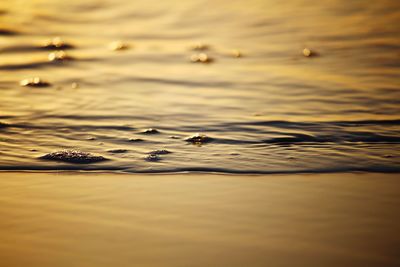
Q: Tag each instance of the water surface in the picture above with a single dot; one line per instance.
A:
(330, 220)
(272, 110)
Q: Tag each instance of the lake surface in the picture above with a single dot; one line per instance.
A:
(266, 107)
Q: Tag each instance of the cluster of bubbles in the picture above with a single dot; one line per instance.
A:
(80, 157)
(59, 55)
(75, 156)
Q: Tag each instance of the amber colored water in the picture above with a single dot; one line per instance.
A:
(331, 220)
(271, 110)
(275, 89)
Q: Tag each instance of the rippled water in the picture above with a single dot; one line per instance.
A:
(271, 110)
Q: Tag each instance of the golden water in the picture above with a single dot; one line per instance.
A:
(267, 107)
(270, 86)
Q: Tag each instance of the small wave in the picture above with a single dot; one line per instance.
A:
(320, 126)
(3, 125)
(107, 168)
(8, 32)
(282, 123)
(72, 127)
(43, 64)
(348, 137)
(31, 65)
(33, 48)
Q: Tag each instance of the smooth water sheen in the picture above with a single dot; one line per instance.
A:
(199, 220)
(266, 107)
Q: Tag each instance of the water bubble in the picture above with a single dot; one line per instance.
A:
(56, 43)
(150, 131)
(306, 52)
(73, 156)
(34, 82)
(309, 53)
(198, 139)
(236, 53)
(74, 85)
(152, 157)
(201, 58)
(58, 56)
(118, 45)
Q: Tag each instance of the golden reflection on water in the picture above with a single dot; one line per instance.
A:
(291, 62)
(294, 86)
(199, 220)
